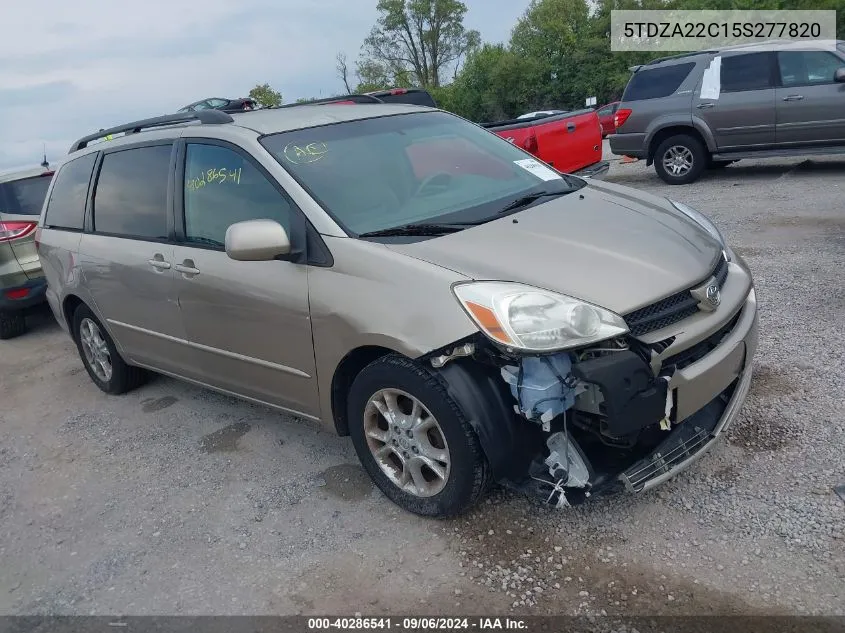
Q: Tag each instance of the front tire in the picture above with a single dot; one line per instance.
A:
(102, 361)
(413, 439)
(12, 324)
(680, 159)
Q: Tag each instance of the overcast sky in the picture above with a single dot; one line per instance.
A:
(70, 68)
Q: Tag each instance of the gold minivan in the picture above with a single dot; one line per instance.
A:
(466, 313)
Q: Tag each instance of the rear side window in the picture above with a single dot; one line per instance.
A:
(656, 82)
(66, 209)
(24, 197)
(746, 72)
(130, 199)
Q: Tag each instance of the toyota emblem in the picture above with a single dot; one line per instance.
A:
(713, 295)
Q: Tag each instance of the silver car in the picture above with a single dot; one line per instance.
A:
(464, 312)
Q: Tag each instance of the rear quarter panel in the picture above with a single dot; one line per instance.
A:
(58, 261)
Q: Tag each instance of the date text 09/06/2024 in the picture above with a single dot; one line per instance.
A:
(417, 624)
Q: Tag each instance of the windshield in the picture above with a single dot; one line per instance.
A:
(24, 197)
(377, 174)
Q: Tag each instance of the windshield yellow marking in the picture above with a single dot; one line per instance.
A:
(302, 154)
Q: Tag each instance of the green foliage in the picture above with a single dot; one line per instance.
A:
(266, 96)
(420, 37)
(559, 53)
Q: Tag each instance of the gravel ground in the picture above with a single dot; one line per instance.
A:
(174, 500)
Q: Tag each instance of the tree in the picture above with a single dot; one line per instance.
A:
(422, 37)
(265, 96)
(343, 71)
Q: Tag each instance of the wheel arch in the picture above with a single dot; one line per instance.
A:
(671, 130)
(345, 372)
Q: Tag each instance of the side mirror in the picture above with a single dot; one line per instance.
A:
(839, 75)
(256, 241)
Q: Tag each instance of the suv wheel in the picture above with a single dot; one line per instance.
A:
(100, 356)
(413, 439)
(680, 159)
(12, 324)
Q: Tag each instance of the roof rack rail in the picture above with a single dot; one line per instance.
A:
(338, 99)
(660, 60)
(203, 116)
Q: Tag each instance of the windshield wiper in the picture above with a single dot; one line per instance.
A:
(524, 201)
(419, 229)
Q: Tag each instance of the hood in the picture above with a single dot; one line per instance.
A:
(612, 246)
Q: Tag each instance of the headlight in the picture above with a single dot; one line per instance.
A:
(702, 220)
(529, 318)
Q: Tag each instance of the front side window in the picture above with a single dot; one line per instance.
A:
(66, 208)
(217, 103)
(806, 68)
(223, 187)
(130, 199)
(386, 172)
(746, 72)
(25, 196)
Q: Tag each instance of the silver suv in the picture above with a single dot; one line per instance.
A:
(22, 284)
(709, 109)
(462, 310)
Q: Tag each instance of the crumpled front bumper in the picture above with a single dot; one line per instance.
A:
(689, 441)
(720, 381)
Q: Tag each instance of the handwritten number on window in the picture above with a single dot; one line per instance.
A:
(211, 176)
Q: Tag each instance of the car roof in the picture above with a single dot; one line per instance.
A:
(271, 120)
(752, 47)
(20, 174)
(263, 121)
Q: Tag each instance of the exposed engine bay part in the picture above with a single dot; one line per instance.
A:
(632, 397)
(543, 387)
(566, 462)
(467, 349)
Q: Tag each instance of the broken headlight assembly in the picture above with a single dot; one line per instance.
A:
(704, 222)
(522, 317)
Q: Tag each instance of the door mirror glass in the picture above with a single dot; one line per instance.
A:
(256, 241)
(839, 75)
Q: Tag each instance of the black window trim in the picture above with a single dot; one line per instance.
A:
(307, 246)
(89, 207)
(779, 79)
(773, 71)
(45, 224)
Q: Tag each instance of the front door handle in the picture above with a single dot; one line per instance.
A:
(570, 127)
(704, 106)
(793, 98)
(158, 262)
(187, 268)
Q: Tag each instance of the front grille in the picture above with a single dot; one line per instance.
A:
(698, 351)
(677, 307)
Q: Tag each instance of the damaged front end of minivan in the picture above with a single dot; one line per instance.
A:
(566, 425)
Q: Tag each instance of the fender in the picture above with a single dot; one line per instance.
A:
(509, 442)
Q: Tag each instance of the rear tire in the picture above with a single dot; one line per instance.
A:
(680, 159)
(100, 356)
(397, 453)
(12, 324)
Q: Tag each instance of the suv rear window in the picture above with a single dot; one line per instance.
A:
(66, 209)
(654, 83)
(25, 196)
